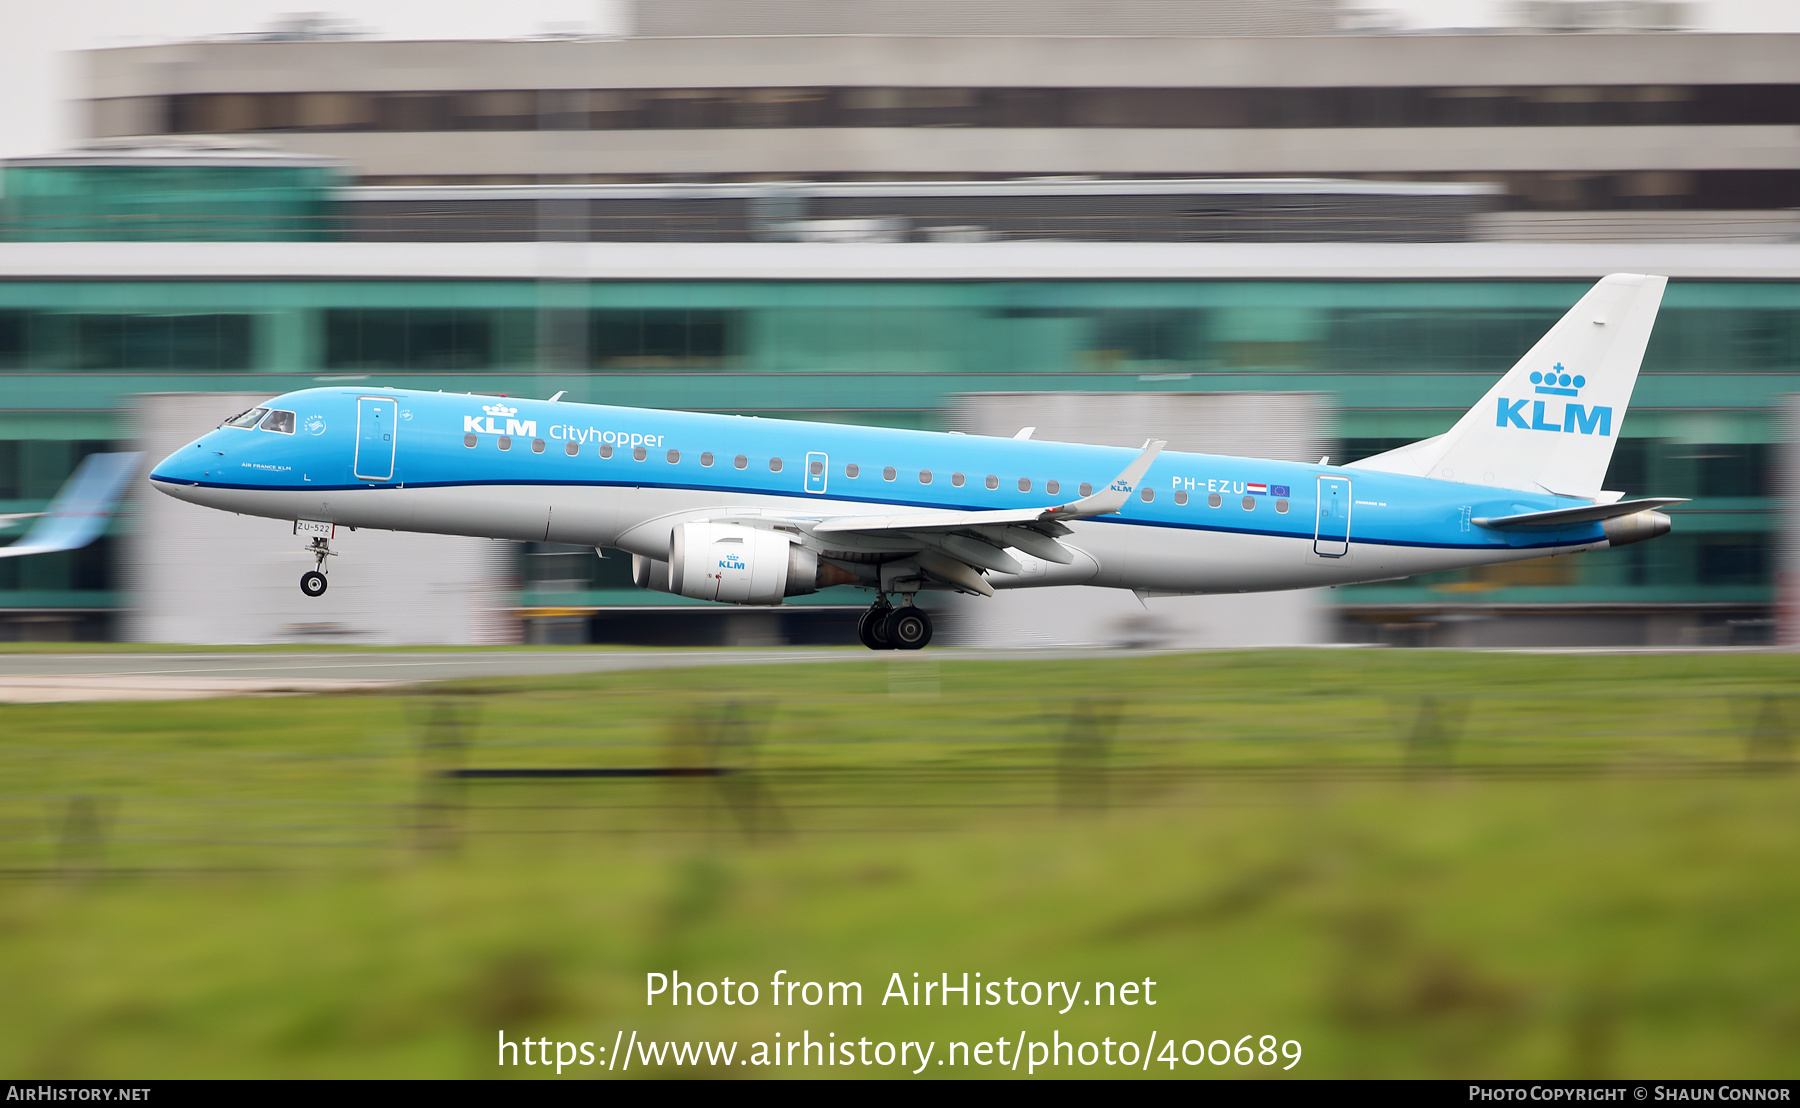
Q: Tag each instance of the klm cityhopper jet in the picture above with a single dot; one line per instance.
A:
(751, 511)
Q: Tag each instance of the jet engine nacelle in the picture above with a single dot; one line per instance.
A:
(739, 565)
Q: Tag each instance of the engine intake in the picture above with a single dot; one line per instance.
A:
(1637, 527)
(733, 564)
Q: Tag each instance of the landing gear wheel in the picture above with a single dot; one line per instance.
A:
(908, 628)
(312, 583)
(871, 628)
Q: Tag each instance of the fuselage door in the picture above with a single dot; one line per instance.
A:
(816, 465)
(376, 425)
(1331, 535)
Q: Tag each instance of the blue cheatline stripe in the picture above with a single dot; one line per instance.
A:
(813, 498)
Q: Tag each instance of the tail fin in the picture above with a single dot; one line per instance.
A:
(81, 508)
(1551, 422)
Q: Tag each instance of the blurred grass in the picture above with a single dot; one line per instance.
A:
(1417, 864)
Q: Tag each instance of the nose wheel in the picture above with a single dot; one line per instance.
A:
(312, 582)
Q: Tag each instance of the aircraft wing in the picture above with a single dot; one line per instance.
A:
(1568, 517)
(81, 508)
(958, 543)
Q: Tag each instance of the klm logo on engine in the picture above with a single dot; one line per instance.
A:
(1576, 419)
(520, 428)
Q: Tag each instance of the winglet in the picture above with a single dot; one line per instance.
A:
(1114, 496)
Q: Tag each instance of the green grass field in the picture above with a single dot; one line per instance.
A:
(1414, 864)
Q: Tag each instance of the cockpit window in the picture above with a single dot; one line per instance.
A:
(246, 419)
(282, 422)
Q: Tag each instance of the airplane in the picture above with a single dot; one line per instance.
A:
(745, 510)
(80, 510)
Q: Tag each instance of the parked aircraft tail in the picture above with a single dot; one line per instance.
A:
(1549, 425)
(81, 508)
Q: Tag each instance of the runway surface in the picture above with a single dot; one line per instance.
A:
(175, 676)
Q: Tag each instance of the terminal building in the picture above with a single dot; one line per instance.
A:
(884, 227)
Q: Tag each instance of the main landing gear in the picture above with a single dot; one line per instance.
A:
(885, 627)
(312, 582)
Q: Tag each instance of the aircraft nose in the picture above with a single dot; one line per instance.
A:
(186, 466)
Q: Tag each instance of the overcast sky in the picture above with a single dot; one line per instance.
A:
(38, 78)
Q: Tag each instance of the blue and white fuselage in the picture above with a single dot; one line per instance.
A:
(902, 511)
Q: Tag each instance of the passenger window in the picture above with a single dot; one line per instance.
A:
(774, 465)
(537, 446)
(1052, 487)
(956, 479)
(851, 470)
(469, 440)
(706, 459)
(674, 457)
(817, 469)
(993, 482)
(606, 450)
(246, 419)
(1147, 493)
(740, 461)
(571, 448)
(1181, 498)
(888, 474)
(1281, 506)
(924, 477)
(281, 423)
(639, 454)
(1024, 484)
(1087, 489)
(1249, 503)
(505, 443)
(1214, 500)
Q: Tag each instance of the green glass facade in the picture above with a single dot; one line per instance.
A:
(123, 203)
(1402, 358)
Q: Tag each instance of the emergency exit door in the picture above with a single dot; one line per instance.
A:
(375, 429)
(816, 465)
(1331, 534)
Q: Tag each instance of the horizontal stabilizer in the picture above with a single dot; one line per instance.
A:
(1569, 517)
(81, 508)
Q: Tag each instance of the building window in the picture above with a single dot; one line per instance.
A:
(407, 338)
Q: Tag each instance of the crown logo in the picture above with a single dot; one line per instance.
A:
(500, 410)
(1557, 382)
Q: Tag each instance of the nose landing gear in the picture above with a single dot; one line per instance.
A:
(312, 582)
(885, 627)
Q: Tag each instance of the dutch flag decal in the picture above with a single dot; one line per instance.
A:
(1257, 490)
